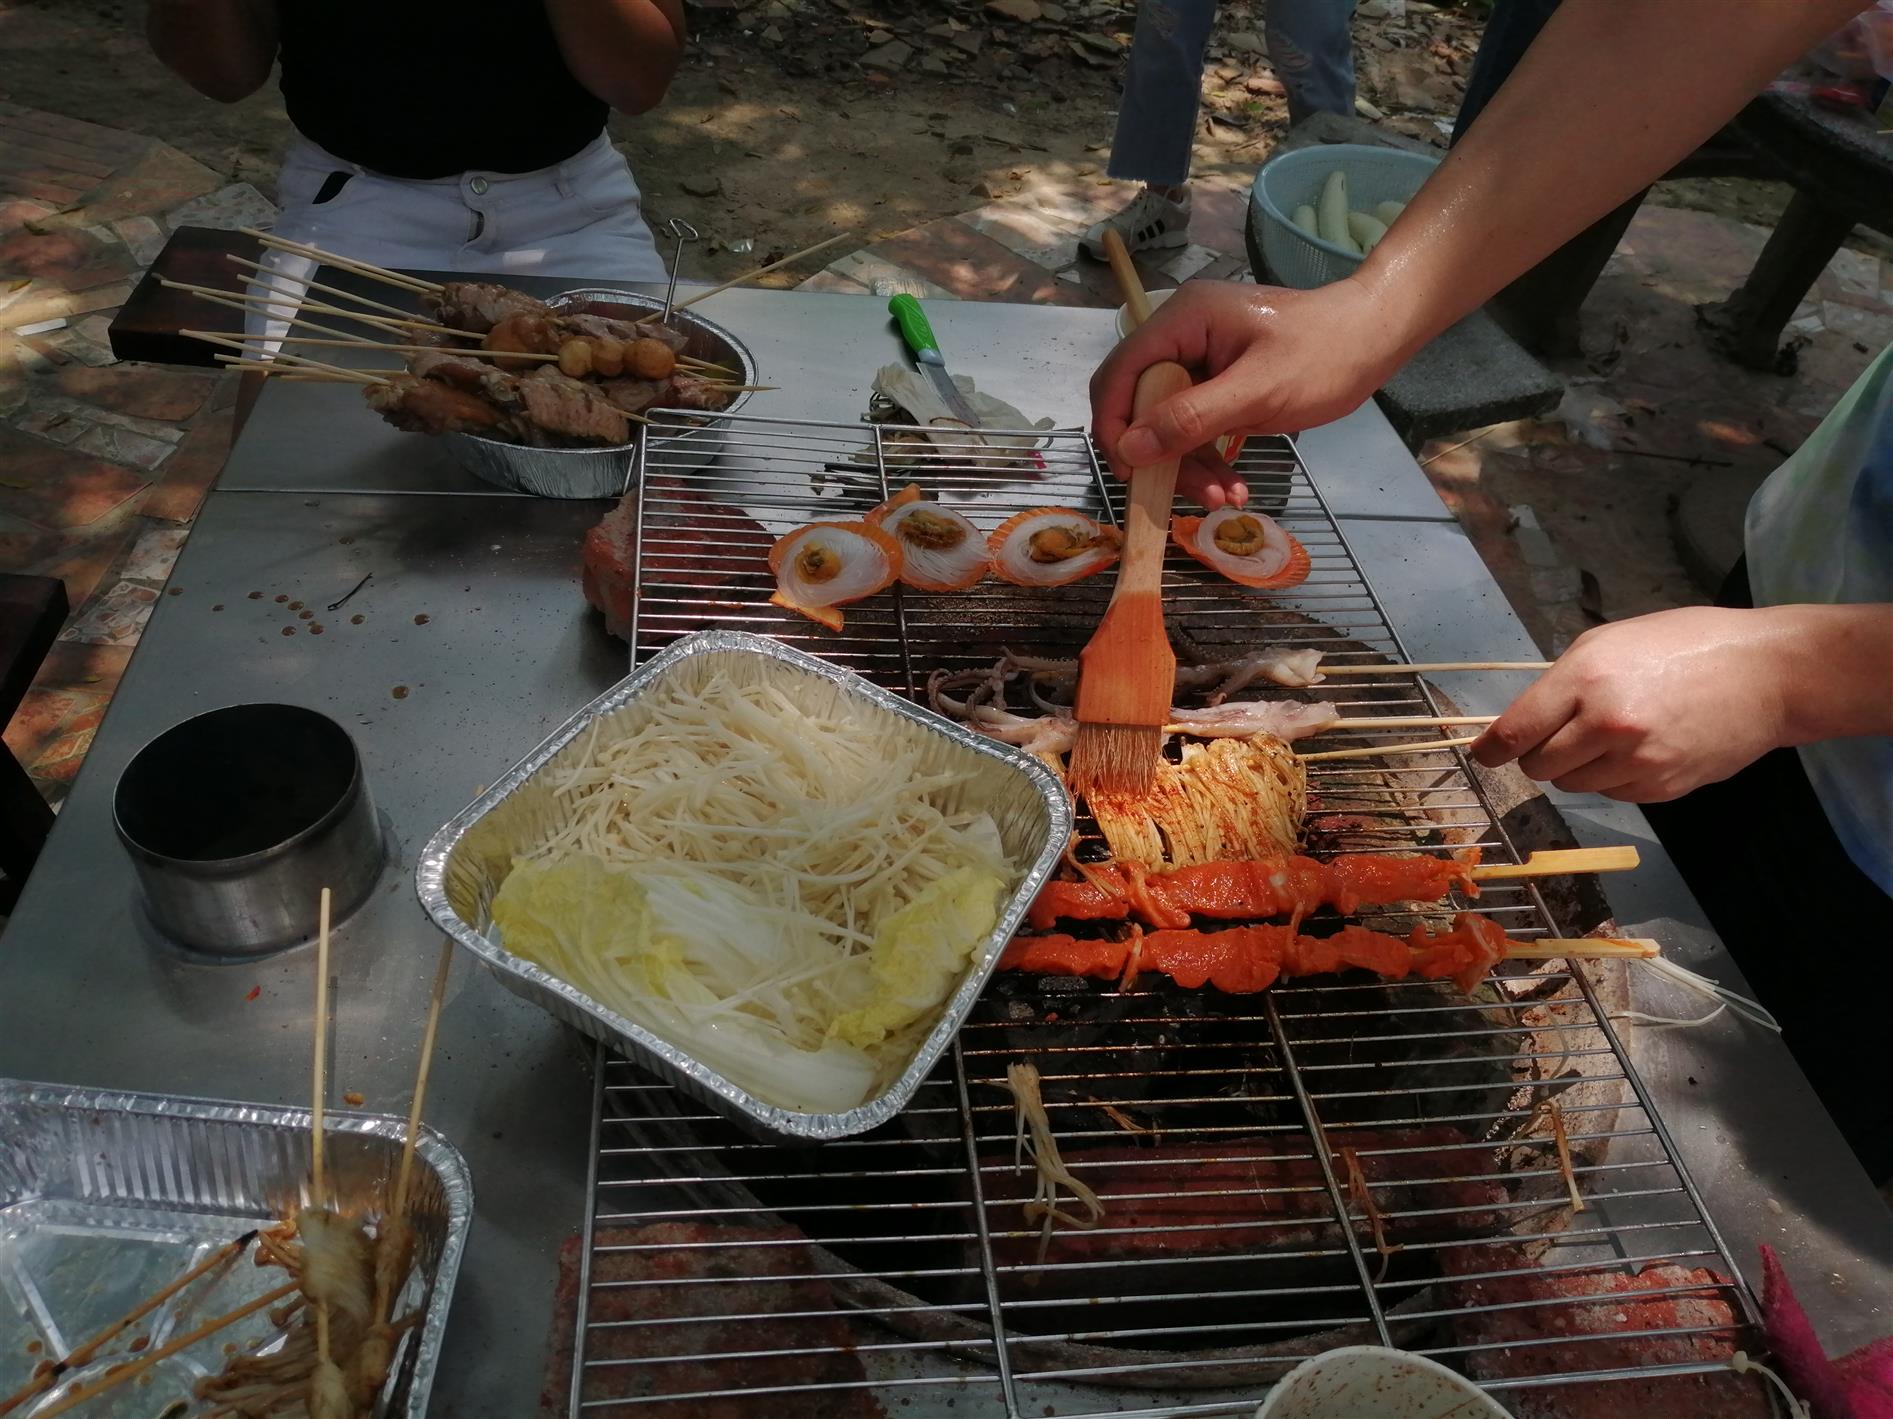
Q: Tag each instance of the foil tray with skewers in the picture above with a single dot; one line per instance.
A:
(538, 397)
(109, 1197)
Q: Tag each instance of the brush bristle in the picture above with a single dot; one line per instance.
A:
(1115, 759)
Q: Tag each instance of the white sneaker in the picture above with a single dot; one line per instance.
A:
(1151, 221)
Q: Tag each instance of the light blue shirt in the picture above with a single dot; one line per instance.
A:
(1820, 530)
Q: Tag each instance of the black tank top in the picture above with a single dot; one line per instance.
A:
(429, 88)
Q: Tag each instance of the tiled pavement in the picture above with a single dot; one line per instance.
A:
(1025, 249)
(103, 465)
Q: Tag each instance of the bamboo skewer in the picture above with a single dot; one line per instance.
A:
(84, 1354)
(420, 1078)
(266, 275)
(474, 354)
(123, 1373)
(317, 375)
(269, 304)
(761, 271)
(233, 301)
(1372, 750)
(289, 361)
(1428, 669)
(1584, 948)
(346, 263)
(319, 1190)
(1411, 721)
(246, 342)
(1558, 862)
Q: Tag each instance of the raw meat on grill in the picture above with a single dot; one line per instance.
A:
(1252, 890)
(1254, 1197)
(1245, 959)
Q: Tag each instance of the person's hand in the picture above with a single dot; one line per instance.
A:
(1647, 709)
(1268, 360)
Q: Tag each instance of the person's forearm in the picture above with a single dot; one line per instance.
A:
(1610, 96)
(221, 48)
(624, 51)
(1837, 676)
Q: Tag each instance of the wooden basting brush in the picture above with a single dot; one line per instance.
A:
(1127, 672)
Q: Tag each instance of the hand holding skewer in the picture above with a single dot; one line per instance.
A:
(1650, 708)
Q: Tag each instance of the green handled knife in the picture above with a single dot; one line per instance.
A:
(919, 337)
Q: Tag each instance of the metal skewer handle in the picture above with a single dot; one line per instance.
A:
(684, 232)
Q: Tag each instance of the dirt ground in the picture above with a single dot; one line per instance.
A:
(776, 134)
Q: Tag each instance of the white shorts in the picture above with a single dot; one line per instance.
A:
(581, 219)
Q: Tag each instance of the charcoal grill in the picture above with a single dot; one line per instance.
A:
(896, 1272)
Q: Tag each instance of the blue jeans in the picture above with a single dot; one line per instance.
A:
(1309, 45)
(1509, 32)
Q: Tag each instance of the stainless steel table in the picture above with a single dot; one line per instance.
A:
(471, 640)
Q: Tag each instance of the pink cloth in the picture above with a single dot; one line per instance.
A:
(1857, 1386)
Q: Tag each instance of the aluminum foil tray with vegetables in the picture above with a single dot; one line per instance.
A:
(758, 874)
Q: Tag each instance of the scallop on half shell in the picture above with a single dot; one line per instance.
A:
(824, 565)
(1247, 547)
(940, 549)
(1052, 546)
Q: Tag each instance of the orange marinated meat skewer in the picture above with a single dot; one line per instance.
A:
(1235, 891)
(1246, 959)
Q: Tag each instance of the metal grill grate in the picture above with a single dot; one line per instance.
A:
(1231, 1138)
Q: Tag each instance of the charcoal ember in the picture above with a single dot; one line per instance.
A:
(723, 1294)
(1590, 1308)
(1250, 1198)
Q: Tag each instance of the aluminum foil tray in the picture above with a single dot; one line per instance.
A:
(464, 864)
(106, 1197)
(606, 472)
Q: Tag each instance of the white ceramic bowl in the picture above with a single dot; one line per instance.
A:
(1368, 1382)
(1156, 299)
